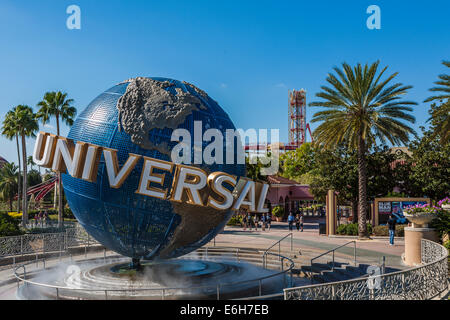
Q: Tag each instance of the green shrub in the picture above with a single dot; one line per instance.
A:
(9, 226)
(342, 229)
(278, 211)
(351, 229)
(235, 221)
(384, 231)
(447, 244)
(381, 231)
(441, 223)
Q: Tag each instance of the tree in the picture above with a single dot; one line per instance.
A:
(56, 104)
(359, 110)
(30, 162)
(8, 183)
(27, 126)
(297, 164)
(440, 114)
(10, 130)
(430, 166)
(34, 178)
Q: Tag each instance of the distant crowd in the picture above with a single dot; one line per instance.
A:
(263, 222)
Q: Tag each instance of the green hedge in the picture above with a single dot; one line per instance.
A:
(9, 226)
(235, 221)
(384, 231)
(351, 229)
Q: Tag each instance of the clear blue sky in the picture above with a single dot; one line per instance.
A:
(245, 54)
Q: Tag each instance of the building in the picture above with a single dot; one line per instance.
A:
(287, 193)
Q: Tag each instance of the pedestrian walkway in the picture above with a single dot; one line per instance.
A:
(314, 244)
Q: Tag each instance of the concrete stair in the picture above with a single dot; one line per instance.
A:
(323, 272)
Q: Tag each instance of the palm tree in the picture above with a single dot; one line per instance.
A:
(56, 104)
(30, 162)
(361, 109)
(440, 114)
(8, 183)
(27, 125)
(10, 131)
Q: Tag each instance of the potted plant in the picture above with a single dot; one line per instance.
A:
(278, 212)
(445, 203)
(421, 214)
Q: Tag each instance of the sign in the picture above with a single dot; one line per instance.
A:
(81, 160)
(384, 207)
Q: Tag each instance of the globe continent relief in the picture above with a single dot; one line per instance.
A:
(138, 116)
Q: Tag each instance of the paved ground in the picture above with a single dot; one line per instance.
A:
(310, 243)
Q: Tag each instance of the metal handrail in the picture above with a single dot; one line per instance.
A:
(279, 248)
(163, 290)
(82, 239)
(353, 283)
(333, 251)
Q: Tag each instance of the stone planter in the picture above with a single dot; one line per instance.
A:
(420, 219)
(446, 207)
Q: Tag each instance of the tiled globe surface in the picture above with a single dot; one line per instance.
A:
(124, 221)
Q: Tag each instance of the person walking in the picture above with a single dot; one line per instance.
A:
(391, 223)
(256, 221)
(269, 221)
(263, 222)
(245, 221)
(301, 222)
(291, 220)
(297, 222)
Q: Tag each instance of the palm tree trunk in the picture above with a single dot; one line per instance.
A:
(362, 188)
(60, 190)
(24, 203)
(19, 198)
(355, 210)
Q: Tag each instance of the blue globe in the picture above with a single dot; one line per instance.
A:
(138, 116)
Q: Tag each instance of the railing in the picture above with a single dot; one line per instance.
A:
(424, 282)
(333, 251)
(164, 292)
(19, 246)
(264, 257)
(50, 224)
